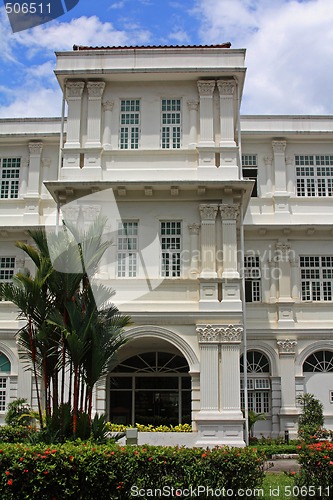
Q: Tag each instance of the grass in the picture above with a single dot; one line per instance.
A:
(278, 486)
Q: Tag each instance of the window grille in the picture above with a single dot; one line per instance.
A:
(127, 245)
(129, 124)
(171, 124)
(250, 171)
(316, 277)
(9, 177)
(171, 245)
(7, 268)
(252, 278)
(314, 175)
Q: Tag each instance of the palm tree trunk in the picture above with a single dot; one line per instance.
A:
(33, 357)
(75, 399)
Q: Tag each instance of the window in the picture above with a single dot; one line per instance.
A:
(331, 397)
(129, 123)
(320, 361)
(314, 175)
(171, 243)
(171, 123)
(316, 277)
(7, 268)
(258, 382)
(250, 171)
(252, 278)
(4, 382)
(10, 174)
(127, 246)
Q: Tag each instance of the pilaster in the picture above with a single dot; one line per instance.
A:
(285, 302)
(208, 274)
(281, 196)
(74, 90)
(107, 108)
(35, 150)
(206, 146)
(289, 412)
(220, 420)
(95, 93)
(193, 107)
(227, 119)
(194, 248)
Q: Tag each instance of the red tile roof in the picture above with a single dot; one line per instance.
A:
(226, 45)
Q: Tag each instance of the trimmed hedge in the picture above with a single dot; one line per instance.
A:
(86, 472)
(149, 428)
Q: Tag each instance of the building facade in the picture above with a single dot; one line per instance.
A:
(221, 231)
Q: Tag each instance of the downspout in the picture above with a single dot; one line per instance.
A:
(61, 145)
(242, 254)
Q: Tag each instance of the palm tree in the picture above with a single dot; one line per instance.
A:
(65, 331)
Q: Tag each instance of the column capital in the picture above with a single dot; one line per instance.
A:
(226, 87)
(95, 89)
(289, 161)
(220, 333)
(206, 87)
(208, 333)
(282, 250)
(35, 148)
(194, 228)
(287, 346)
(208, 212)
(193, 105)
(46, 162)
(268, 160)
(279, 146)
(108, 105)
(74, 89)
(229, 211)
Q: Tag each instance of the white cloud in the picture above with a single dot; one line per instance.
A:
(180, 36)
(117, 5)
(289, 49)
(38, 102)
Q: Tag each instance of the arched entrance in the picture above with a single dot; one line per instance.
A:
(318, 370)
(151, 387)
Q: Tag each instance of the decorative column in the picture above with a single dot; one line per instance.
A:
(231, 298)
(206, 90)
(290, 174)
(107, 107)
(74, 90)
(206, 146)
(35, 149)
(231, 337)
(208, 337)
(46, 162)
(24, 176)
(273, 280)
(289, 412)
(193, 108)
(295, 278)
(220, 420)
(208, 275)
(194, 248)
(285, 302)
(208, 240)
(95, 92)
(280, 195)
(268, 160)
(227, 125)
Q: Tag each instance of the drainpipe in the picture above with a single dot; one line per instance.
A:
(242, 254)
(61, 145)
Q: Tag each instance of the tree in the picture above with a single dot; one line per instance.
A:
(67, 334)
(311, 419)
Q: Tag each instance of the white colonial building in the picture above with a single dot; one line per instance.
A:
(221, 227)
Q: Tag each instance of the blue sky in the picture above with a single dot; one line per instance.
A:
(289, 48)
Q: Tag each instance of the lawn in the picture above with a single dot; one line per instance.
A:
(278, 486)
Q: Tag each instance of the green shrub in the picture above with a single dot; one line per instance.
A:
(18, 413)
(85, 471)
(149, 428)
(315, 479)
(16, 434)
(311, 419)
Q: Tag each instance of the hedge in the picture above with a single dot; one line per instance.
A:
(315, 479)
(87, 471)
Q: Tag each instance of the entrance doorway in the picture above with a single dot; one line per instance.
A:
(151, 388)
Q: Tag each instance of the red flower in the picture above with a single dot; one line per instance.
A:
(10, 482)
(21, 459)
(150, 459)
(204, 455)
(45, 472)
(7, 473)
(331, 463)
(25, 470)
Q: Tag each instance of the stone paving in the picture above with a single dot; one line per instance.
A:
(282, 465)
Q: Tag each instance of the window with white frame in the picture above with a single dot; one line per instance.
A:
(9, 177)
(314, 175)
(319, 362)
(258, 382)
(7, 268)
(252, 277)
(129, 124)
(127, 246)
(316, 277)
(171, 246)
(331, 397)
(171, 124)
(250, 171)
(5, 368)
